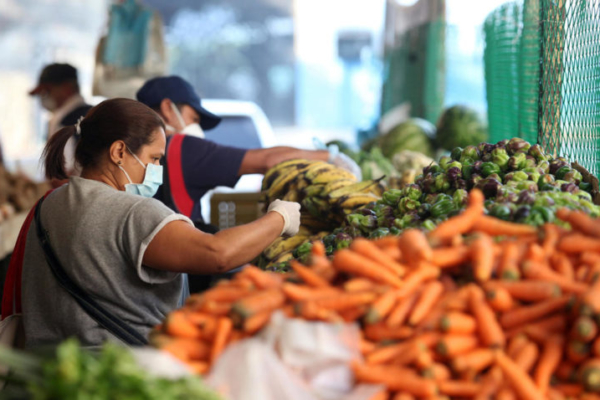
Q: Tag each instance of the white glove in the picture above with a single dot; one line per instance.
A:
(343, 161)
(290, 211)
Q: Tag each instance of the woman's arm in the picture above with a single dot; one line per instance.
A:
(179, 247)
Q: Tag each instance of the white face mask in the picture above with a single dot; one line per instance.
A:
(192, 129)
(48, 102)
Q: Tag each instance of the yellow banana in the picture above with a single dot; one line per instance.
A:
(359, 187)
(318, 168)
(281, 184)
(282, 244)
(282, 169)
(313, 224)
(352, 202)
(331, 175)
(334, 185)
(292, 195)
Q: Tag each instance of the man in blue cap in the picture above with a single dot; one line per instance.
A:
(194, 165)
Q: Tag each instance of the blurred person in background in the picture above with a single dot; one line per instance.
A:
(194, 166)
(58, 90)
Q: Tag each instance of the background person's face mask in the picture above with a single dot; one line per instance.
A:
(192, 129)
(48, 102)
(153, 178)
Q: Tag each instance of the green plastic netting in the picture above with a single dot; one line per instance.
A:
(542, 69)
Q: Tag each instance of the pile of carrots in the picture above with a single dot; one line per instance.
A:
(477, 308)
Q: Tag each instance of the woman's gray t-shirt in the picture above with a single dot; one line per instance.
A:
(99, 235)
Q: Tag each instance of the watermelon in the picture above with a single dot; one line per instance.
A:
(460, 126)
(413, 134)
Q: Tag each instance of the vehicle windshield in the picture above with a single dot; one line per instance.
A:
(236, 131)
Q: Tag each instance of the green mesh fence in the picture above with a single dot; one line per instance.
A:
(542, 69)
(415, 72)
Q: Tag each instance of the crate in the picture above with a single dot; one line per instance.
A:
(232, 209)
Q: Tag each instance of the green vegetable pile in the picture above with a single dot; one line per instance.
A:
(73, 373)
(520, 182)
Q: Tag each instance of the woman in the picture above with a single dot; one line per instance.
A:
(123, 248)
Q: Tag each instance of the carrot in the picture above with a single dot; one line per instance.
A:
(562, 264)
(400, 312)
(411, 353)
(430, 294)
(591, 299)
(548, 362)
(403, 396)
(318, 249)
(437, 371)
(448, 257)
(298, 292)
(584, 329)
(311, 311)
(348, 261)
(344, 301)
(515, 345)
(218, 293)
(177, 324)
(451, 345)
(459, 388)
(571, 390)
(580, 221)
(497, 227)
(532, 291)
(417, 277)
(368, 249)
(539, 330)
(457, 322)
(260, 278)
(394, 378)
(519, 380)
(257, 321)
(578, 243)
(476, 360)
(499, 299)
(596, 347)
(509, 268)
(392, 252)
(380, 331)
(589, 258)
(385, 354)
(187, 349)
(198, 367)
(380, 308)
(415, 247)
(577, 351)
(482, 256)
(215, 308)
(358, 285)
(270, 299)
(224, 327)
(581, 274)
(566, 371)
(506, 394)
(462, 223)
(308, 276)
(386, 241)
(525, 314)
(381, 395)
(490, 332)
(424, 358)
(589, 374)
(366, 346)
(533, 270)
(491, 382)
(323, 267)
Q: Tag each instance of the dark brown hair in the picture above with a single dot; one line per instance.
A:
(112, 120)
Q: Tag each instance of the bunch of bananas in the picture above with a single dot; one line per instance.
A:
(327, 194)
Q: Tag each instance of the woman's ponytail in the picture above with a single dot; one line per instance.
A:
(54, 153)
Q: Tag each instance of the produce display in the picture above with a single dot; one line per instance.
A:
(327, 194)
(520, 183)
(414, 134)
(72, 373)
(460, 126)
(477, 307)
(18, 193)
(409, 164)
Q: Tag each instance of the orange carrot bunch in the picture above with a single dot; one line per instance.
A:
(477, 308)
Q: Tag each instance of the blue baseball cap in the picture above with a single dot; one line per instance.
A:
(177, 90)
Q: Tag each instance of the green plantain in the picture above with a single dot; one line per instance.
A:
(353, 201)
(313, 190)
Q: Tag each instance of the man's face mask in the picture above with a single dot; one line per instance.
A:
(192, 129)
(48, 102)
(153, 178)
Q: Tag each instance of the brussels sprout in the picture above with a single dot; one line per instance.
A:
(539, 216)
(467, 161)
(366, 211)
(544, 200)
(424, 210)
(343, 240)
(557, 164)
(528, 185)
(517, 145)
(585, 186)
(441, 183)
(502, 143)
(469, 152)
(453, 174)
(431, 198)
(547, 178)
(487, 157)
(544, 167)
(467, 171)
(412, 191)
(395, 231)
(444, 162)
(573, 176)
(517, 161)
(501, 211)
(489, 187)
(456, 153)
(379, 233)
(428, 225)
(481, 147)
(392, 196)
(500, 157)
(428, 184)
(442, 208)
(460, 184)
(475, 179)
(521, 213)
(562, 171)
(537, 152)
(533, 176)
(303, 249)
(496, 177)
(526, 197)
(506, 195)
(405, 205)
(455, 164)
(432, 169)
(477, 165)
(410, 219)
(488, 168)
(584, 195)
(368, 222)
(569, 188)
(385, 216)
(530, 162)
(354, 219)
(460, 197)
(517, 176)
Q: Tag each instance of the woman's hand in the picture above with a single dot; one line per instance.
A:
(290, 211)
